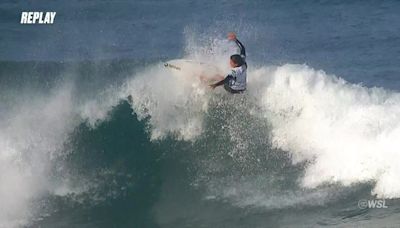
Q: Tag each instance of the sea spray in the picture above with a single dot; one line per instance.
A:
(30, 137)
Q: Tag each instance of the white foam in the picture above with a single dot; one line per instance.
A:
(31, 135)
(349, 132)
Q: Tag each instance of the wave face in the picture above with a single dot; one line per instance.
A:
(78, 152)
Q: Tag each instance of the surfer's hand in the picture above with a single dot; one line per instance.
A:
(203, 78)
(212, 86)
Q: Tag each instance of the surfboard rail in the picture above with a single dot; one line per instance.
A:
(192, 68)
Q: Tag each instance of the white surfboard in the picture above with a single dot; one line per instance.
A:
(192, 68)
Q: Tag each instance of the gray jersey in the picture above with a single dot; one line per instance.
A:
(239, 78)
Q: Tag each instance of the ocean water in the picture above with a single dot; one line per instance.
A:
(316, 133)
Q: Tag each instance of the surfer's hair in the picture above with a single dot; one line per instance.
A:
(237, 59)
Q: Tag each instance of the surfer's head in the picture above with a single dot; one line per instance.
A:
(236, 61)
(231, 36)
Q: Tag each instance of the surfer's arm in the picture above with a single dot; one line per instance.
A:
(217, 84)
(220, 83)
(218, 77)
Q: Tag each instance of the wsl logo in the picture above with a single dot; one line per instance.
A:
(38, 17)
(372, 203)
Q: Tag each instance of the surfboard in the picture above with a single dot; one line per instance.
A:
(193, 68)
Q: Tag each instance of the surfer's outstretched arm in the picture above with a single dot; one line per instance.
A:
(222, 82)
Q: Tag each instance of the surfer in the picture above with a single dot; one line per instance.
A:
(238, 47)
(235, 82)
